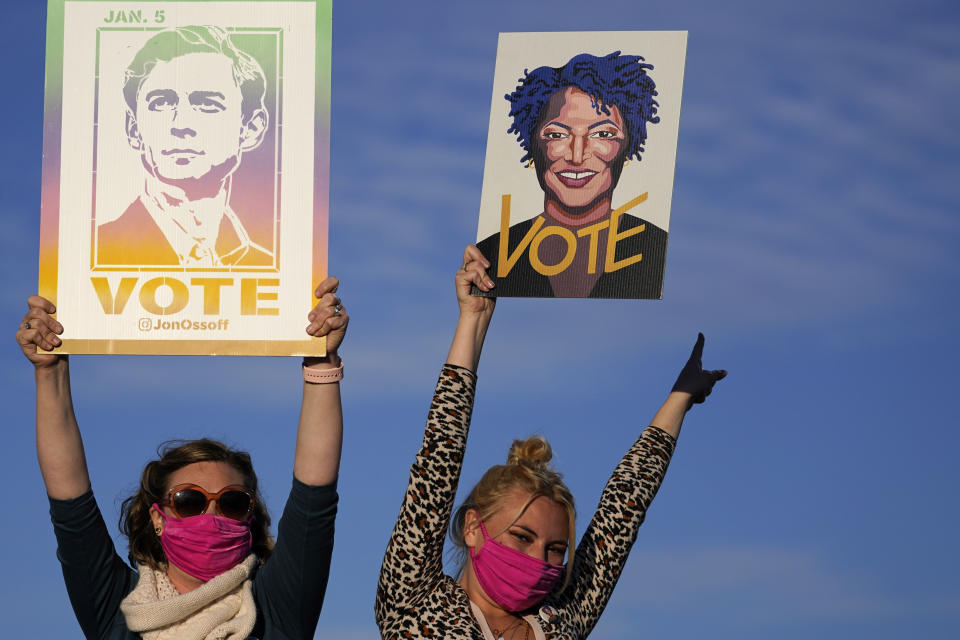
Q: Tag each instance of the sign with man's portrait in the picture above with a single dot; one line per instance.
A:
(581, 150)
(185, 174)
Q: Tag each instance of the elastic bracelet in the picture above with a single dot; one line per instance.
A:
(323, 376)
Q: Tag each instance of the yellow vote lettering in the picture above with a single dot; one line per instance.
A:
(113, 304)
(253, 293)
(211, 293)
(615, 236)
(546, 232)
(505, 259)
(148, 296)
(530, 243)
(594, 232)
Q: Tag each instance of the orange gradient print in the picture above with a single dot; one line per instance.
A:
(200, 119)
(185, 175)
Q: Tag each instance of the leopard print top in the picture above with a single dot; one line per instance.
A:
(415, 600)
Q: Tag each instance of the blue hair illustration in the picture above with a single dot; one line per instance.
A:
(612, 80)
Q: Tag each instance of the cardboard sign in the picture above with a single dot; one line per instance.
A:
(579, 167)
(185, 174)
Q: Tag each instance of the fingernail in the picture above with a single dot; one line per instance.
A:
(489, 282)
(56, 341)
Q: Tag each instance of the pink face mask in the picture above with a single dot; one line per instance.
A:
(511, 578)
(205, 546)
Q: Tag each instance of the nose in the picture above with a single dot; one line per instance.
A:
(179, 128)
(211, 506)
(577, 152)
(182, 133)
(539, 551)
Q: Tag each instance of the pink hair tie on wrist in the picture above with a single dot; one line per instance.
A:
(323, 376)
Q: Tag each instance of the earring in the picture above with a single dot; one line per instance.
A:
(158, 530)
(626, 162)
(530, 164)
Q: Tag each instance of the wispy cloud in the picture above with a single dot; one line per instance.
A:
(762, 585)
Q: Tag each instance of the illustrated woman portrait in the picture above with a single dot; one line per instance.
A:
(194, 106)
(578, 125)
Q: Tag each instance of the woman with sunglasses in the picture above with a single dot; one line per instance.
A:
(516, 527)
(198, 530)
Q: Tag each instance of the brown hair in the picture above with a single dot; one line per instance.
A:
(135, 522)
(526, 469)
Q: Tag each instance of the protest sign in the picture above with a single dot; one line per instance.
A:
(581, 150)
(184, 202)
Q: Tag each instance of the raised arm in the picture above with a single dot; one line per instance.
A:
(320, 433)
(606, 543)
(59, 446)
(95, 576)
(413, 562)
(292, 584)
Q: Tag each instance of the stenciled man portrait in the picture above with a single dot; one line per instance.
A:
(578, 125)
(194, 105)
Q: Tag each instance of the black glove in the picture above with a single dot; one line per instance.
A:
(693, 379)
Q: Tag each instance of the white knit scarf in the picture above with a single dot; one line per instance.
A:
(220, 609)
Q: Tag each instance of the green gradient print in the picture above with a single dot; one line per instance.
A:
(50, 165)
(198, 115)
(181, 141)
(321, 144)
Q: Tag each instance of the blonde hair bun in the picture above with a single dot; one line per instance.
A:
(534, 452)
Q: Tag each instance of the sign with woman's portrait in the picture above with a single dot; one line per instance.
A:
(185, 174)
(581, 150)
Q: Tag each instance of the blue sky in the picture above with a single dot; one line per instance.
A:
(812, 240)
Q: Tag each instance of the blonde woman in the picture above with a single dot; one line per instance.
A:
(520, 579)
